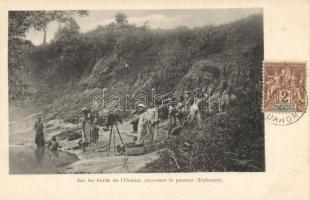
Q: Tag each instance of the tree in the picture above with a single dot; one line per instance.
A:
(121, 20)
(21, 21)
(69, 27)
(20, 49)
(42, 18)
(18, 23)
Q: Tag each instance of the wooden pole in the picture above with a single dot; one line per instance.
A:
(110, 140)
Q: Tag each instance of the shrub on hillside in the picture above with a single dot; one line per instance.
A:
(229, 141)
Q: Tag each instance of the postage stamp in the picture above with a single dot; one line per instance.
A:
(284, 85)
(284, 91)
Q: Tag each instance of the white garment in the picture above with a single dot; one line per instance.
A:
(147, 125)
(143, 120)
(194, 115)
(152, 114)
(152, 126)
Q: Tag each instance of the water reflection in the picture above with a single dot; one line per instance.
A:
(25, 160)
(39, 155)
(53, 154)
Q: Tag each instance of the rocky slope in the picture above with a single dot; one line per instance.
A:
(170, 61)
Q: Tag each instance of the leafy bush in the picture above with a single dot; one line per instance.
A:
(230, 141)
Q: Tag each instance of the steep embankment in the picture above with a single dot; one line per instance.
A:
(221, 51)
(169, 61)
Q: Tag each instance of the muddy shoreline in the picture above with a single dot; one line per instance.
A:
(95, 160)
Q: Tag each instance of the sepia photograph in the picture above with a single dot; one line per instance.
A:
(136, 91)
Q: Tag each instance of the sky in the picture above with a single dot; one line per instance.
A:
(164, 19)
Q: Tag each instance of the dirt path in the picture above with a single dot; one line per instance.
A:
(96, 159)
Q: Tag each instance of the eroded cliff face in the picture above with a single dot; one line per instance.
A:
(236, 59)
(236, 68)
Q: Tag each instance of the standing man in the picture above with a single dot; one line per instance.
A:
(194, 117)
(142, 125)
(181, 110)
(39, 138)
(152, 114)
(95, 130)
(86, 127)
(172, 111)
(135, 122)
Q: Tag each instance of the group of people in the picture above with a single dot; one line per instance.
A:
(40, 142)
(90, 132)
(146, 125)
(187, 110)
(39, 137)
(190, 109)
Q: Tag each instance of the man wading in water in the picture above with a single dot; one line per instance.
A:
(39, 138)
(86, 127)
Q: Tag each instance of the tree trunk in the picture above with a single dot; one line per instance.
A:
(44, 35)
(238, 77)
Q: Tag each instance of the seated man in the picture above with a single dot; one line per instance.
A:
(53, 148)
(53, 144)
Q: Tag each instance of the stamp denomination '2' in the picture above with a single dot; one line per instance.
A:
(285, 95)
(284, 87)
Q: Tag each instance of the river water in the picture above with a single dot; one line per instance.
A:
(24, 157)
(28, 160)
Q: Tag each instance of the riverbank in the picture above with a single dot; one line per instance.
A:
(96, 159)
(71, 159)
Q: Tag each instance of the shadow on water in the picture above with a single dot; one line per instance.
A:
(26, 160)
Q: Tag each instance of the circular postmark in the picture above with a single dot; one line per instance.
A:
(285, 114)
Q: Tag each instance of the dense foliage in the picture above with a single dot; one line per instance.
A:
(20, 72)
(139, 57)
(232, 140)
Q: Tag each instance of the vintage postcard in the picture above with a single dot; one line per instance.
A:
(105, 97)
